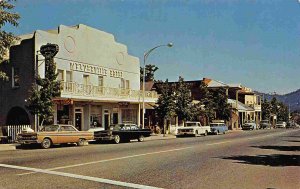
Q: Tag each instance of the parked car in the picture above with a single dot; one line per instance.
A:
(280, 124)
(264, 124)
(123, 132)
(55, 134)
(249, 125)
(193, 129)
(218, 127)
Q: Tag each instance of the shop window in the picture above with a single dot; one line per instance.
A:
(129, 115)
(15, 77)
(63, 114)
(96, 118)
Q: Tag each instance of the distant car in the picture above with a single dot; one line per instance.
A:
(280, 124)
(123, 132)
(264, 124)
(192, 129)
(249, 125)
(218, 127)
(54, 134)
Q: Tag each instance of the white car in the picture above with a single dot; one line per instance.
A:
(193, 129)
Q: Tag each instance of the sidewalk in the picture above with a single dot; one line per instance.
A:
(160, 137)
(7, 147)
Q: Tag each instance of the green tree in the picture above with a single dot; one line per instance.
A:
(183, 100)
(41, 95)
(6, 38)
(220, 101)
(207, 101)
(150, 69)
(266, 109)
(166, 106)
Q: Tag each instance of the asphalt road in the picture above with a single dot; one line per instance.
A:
(266, 159)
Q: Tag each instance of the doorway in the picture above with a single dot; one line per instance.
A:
(106, 119)
(78, 118)
(115, 118)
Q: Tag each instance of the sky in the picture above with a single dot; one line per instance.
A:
(252, 42)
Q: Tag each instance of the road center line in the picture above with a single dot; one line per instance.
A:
(94, 179)
(113, 159)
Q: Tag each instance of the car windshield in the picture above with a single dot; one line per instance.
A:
(190, 124)
(50, 128)
(215, 125)
(117, 127)
(264, 121)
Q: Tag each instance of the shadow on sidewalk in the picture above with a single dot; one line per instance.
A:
(274, 160)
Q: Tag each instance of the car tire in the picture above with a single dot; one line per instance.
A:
(205, 134)
(224, 132)
(141, 138)
(117, 139)
(81, 142)
(196, 133)
(217, 133)
(46, 143)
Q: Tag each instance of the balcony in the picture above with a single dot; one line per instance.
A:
(90, 92)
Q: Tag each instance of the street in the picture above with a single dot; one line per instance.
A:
(239, 159)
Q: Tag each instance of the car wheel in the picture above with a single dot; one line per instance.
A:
(217, 133)
(141, 138)
(196, 133)
(205, 134)
(81, 142)
(224, 132)
(46, 143)
(117, 139)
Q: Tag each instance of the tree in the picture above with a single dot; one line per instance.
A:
(166, 103)
(6, 38)
(41, 96)
(266, 110)
(207, 101)
(150, 70)
(222, 108)
(183, 100)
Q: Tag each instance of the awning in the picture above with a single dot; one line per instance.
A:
(240, 106)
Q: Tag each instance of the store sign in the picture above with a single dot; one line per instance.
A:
(93, 69)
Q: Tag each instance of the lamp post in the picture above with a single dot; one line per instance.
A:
(146, 54)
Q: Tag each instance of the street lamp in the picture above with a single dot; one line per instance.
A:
(146, 54)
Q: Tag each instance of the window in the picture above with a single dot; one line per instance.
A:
(100, 81)
(122, 83)
(60, 76)
(127, 86)
(15, 77)
(86, 79)
(69, 76)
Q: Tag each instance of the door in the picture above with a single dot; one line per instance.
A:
(78, 118)
(106, 119)
(115, 118)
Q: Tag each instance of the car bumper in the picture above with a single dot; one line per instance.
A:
(27, 141)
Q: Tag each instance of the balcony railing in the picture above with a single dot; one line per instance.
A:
(81, 90)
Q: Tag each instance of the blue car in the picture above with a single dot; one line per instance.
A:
(217, 128)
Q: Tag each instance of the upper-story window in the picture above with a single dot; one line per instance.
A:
(86, 79)
(125, 84)
(69, 76)
(60, 76)
(15, 77)
(100, 81)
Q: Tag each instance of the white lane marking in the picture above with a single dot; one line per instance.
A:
(219, 143)
(113, 159)
(95, 179)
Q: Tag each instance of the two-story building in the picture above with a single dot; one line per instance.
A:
(100, 81)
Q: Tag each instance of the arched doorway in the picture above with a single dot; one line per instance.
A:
(17, 116)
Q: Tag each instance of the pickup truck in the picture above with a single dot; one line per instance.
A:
(192, 129)
(122, 133)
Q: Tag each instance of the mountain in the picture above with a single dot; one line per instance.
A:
(291, 99)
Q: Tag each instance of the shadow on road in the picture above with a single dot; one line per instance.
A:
(280, 148)
(274, 160)
(37, 146)
(292, 140)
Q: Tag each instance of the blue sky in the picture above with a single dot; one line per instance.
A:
(252, 42)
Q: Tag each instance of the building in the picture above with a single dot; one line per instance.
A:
(100, 81)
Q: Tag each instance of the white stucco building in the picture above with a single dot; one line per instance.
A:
(100, 81)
